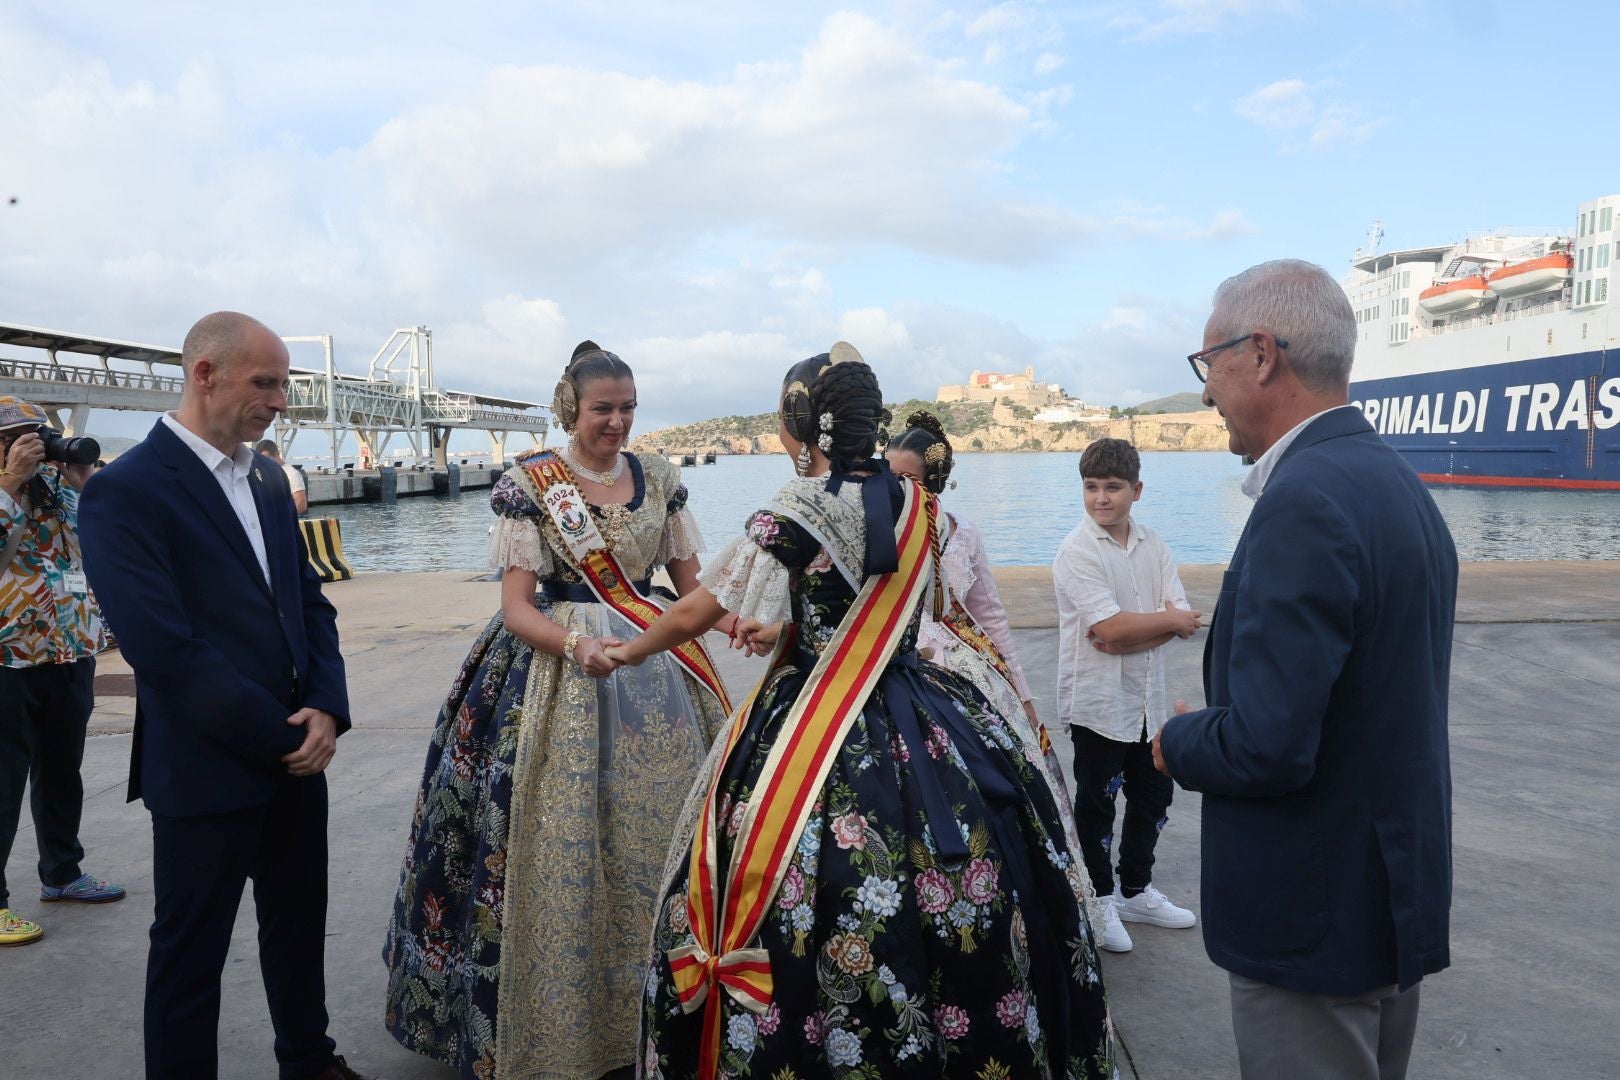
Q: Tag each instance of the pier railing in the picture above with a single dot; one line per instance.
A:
(83, 375)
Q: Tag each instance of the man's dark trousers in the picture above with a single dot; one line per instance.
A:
(44, 711)
(200, 865)
(1102, 768)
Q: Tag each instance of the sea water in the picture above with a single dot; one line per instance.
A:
(1024, 504)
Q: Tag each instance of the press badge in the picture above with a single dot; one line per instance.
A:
(72, 583)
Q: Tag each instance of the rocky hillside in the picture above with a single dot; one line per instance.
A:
(976, 427)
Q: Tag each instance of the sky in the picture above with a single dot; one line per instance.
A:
(715, 191)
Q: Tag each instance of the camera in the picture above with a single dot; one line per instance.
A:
(70, 451)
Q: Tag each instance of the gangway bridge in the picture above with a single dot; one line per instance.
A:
(397, 396)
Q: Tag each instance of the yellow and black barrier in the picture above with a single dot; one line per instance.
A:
(323, 537)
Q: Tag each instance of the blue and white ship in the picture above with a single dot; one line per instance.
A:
(1487, 362)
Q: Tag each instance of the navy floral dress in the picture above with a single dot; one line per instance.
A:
(517, 942)
(931, 921)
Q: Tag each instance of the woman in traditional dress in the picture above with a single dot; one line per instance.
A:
(872, 881)
(973, 638)
(553, 782)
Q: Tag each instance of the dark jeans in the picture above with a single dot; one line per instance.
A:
(1102, 767)
(199, 867)
(44, 711)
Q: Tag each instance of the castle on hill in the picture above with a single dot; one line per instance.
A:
(1015, 389)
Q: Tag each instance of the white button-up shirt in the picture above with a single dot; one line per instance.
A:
(1119, 697)
(231, 473)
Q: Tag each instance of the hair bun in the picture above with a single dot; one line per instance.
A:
(926, 420)
(584, 347)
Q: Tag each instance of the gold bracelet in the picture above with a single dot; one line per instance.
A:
(570, 643)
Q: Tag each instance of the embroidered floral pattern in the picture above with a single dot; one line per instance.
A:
(511, 862)
(888, 958)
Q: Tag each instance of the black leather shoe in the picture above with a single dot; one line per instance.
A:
(338, 1070)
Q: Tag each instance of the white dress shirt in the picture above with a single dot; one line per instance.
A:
(1119, 697)
(231, 474)
(1255, 482)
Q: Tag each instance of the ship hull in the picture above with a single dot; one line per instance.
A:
(1550, 422)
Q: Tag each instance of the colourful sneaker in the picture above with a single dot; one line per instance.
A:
(15, 931)
(83, 890)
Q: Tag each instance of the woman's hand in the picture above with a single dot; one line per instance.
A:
(619, 654)
(592, 657)
(755, 637)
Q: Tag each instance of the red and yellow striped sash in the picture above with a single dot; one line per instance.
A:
(613, 587)
(726, 916)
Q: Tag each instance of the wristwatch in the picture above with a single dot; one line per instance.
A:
(570, 643)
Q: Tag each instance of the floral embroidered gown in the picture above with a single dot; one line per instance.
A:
(967, 576)
(930, 923)
(518, 940)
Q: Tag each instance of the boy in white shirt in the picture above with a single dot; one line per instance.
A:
(1119, 601)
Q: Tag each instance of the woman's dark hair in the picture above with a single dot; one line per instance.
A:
(589, 363)
(925, 437)
(842, 388)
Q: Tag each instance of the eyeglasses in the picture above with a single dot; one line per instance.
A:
(1200, 359)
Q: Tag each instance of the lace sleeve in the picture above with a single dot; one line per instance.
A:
(681, 538)
(747, 579)
(515, 540)
(983, 603)
(518, 543)
(753, 575)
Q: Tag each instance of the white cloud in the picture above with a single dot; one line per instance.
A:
(865, 139)
(709, 230)
(1305, 116)
(1048, 62)
(1174, 18)
(999, 20)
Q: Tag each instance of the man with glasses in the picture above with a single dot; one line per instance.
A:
(1322, 753)
(50, 633)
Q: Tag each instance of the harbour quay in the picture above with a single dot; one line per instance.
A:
(1532, 990)
(329, 486)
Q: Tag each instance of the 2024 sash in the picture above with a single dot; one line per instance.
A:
(560, 498)
(725, 915)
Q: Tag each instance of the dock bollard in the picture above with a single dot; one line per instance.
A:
(323, 539)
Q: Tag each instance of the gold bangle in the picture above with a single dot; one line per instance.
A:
(570, 643)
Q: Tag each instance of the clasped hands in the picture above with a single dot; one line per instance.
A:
(592, 654)
(748, 635)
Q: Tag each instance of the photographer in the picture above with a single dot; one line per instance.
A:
(50, 632)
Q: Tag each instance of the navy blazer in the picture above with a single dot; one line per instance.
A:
(1323, 754)
(221, 659)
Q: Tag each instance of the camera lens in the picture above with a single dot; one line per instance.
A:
(71, 451)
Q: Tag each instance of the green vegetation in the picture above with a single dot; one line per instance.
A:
(959, 418)
(1175, 403)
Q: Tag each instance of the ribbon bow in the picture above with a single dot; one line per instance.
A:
(745, 974)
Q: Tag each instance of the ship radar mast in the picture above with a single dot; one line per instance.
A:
(1374, 235)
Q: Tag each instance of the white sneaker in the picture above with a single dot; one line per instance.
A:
(1152, 906)
(1114, 936)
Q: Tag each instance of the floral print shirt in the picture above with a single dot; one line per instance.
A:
(47, 613)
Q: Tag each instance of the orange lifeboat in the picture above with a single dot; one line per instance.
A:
(1533, 275)
(1451, 297)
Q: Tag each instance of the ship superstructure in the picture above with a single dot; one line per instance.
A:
(1486, 362)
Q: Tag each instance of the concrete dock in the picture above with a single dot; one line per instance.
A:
(1533, 991)
(326, 487)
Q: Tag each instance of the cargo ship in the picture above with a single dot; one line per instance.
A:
(1486, 362)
